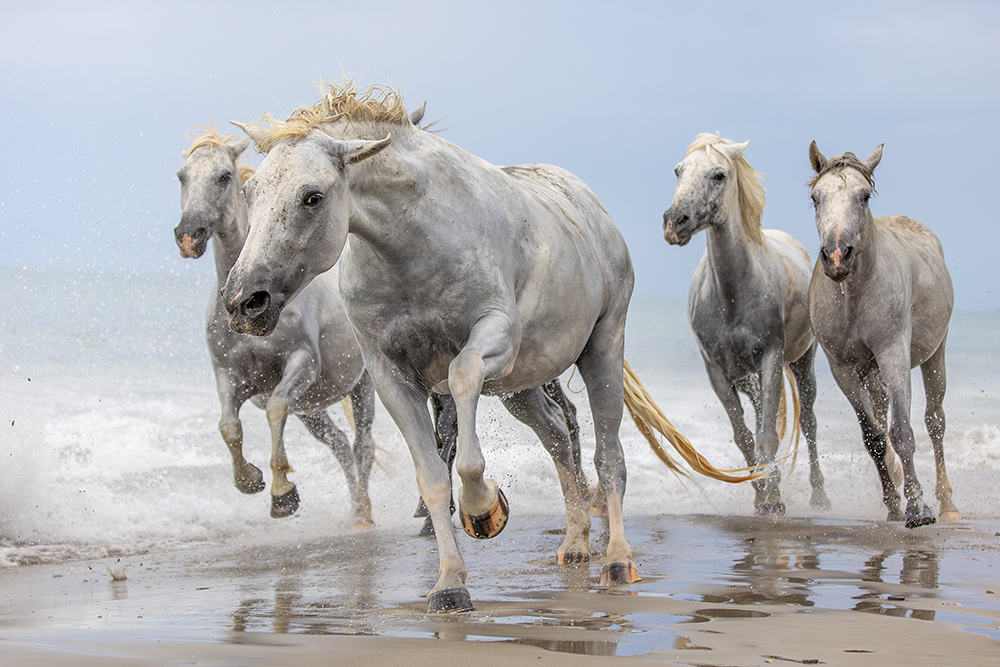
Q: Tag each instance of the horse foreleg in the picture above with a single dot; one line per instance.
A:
(489, 353)
(445, 433)
(935, 382)
(872, 433)
(727, 393)
(803, 369)
(284, 495)
(766, 438)
(246, 476)
(546, 418)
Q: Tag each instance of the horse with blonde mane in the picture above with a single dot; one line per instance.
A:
(459, 277)
(880, 300)
(309, 362)
(748, 305)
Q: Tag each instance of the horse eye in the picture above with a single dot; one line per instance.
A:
(719, 176)
(225, 178)
(313, 200)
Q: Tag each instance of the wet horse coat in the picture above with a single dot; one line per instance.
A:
(880, 301)
(310, 361)
(459, 277)
(748, 303)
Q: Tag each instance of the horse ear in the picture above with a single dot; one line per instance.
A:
(235, 150)
(874, 159)
(418, 115)
(816, 158)
(345, 152)
(255, 132)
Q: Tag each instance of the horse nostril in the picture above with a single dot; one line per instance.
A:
(846, 254)
(200, 234)
(256, 304)
(824, 255)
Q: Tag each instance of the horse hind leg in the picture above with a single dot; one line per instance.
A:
(553, 390)
(363, 402)
(546, 418)
(803, 370)
(935, 381)
(321, 426)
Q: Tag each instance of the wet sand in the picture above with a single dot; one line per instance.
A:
(715, 591)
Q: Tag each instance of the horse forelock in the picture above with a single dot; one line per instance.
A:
(750, 189)
(209, 135)
(376, 104)
(841, 162)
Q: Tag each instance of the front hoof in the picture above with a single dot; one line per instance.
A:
(619, 573)
(363, 526)
(285, 504)
(449, 601)
(489, 524)
(919, 514)
(253, 485)
(572, 558)
(820, 501)
(773, 509)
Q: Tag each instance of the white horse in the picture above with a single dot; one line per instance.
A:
(460, 277)
(310, 361)
(748, 304)
(880, 300)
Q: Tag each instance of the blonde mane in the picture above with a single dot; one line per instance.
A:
(209, 135)
(750, 189)
(374, 104)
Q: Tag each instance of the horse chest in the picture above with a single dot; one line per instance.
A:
(736, 348)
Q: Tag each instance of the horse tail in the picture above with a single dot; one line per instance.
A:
(796, 415)
(648, 416)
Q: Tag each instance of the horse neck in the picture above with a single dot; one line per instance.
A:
(228, 239)
(732, 258)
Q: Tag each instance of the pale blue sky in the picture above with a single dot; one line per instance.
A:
(97, 98)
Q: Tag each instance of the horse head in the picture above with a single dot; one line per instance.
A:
(706, 191)
(840, 192)
(299, 211)
(210, 184)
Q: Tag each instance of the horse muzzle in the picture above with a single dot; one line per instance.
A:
(676, 228)
(838, 261)
(253, 311)
(191, 244)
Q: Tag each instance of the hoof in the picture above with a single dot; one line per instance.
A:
(363, 526)
(820, 501)
(572, 558)
(255, 485)
(618, 573)
(950, 515)
(774, 509)
(449, 601)
(427, 530)
(285, 504)
(919, 514)
(490, 524)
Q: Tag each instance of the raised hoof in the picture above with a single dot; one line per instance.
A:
(572, 558)
(285, 504)
(618, 573)
(427, 530)
(449, 601)
(820, 501)
(490, 524)
(950, 515)
(918, 515)
(774, 509)
(255, 485)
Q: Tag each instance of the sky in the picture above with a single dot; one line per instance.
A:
(97, 99)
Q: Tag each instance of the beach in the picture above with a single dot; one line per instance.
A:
(123, 541)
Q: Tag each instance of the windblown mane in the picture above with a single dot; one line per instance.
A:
(209, 135)
(748, 183)
(841, 162)
(374, 104)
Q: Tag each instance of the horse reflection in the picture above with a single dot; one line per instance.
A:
(920, 570)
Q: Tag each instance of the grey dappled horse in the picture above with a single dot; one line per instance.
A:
(459, 277)
(310, 361)
(748, 304)
(880, 300)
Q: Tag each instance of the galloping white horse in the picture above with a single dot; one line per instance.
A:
(459, 277)
(310, 361)
(880, 300)
(748, 303)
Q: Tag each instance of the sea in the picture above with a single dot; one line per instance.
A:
(109, 441)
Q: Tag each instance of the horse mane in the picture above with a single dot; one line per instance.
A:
(209, 135)
(750, 189)
(374, 104)
(846, 161)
